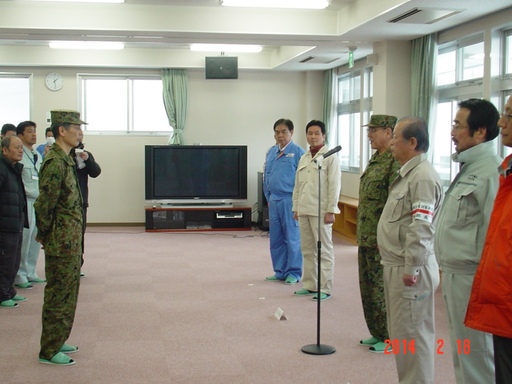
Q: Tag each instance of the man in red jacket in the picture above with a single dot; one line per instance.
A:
(490, 304)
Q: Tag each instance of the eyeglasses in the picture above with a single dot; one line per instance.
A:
(374, 129)
(458, 126)
(506, 116)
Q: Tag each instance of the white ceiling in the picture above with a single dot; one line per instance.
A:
(292, 39)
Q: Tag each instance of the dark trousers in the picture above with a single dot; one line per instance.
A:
(502, 359)
(10, 257)
(371, 286)
(83, 233)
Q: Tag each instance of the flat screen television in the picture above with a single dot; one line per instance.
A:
(196, 174)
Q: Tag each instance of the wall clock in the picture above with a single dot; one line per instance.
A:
(54, 81)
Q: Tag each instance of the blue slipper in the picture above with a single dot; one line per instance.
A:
(58, 359)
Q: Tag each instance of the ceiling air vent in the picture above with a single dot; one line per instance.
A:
(319, 59)
(405, 15)
(307, 59)
(424, 16)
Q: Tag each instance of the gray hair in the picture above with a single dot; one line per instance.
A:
(416, 127)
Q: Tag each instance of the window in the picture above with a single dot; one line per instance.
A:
(354, 104)
(508, 52)
(459, 73)
(460, 61)
(446, 66)
(14, 98)
(472, 59)
(123, 104)
(441, 141)
(506, 150)
(505, 80)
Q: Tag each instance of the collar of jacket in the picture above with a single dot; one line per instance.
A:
(474, 153)
(407, 167)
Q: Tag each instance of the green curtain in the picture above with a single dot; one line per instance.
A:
(175, 101)
(329, 108)
(424, 51)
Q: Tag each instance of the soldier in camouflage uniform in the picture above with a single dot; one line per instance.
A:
(373, 193)
(60, 223)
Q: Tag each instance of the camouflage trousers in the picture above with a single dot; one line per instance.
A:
(371, 285)
(60, 300)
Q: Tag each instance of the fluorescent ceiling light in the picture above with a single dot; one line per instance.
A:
(303, 4)
(225, 48)
(86, 45)
(84, 1)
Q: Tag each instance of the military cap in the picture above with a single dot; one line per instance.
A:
(386, 121)
(66, 116)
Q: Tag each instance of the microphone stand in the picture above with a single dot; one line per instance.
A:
(318, 349)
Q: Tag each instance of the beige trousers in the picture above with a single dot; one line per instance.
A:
(410, 314)
(308, 226)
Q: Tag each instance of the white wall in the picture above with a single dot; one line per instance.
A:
(239, 111)
(219, 112)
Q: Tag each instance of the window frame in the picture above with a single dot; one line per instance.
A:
(130, 109)
(362, 106)
(28, 114)
(506, 48)
(454, 93)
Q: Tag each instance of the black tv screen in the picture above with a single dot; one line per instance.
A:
(196, 172)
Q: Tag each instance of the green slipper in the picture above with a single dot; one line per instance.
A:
(37, 280)
(304, 292)
(323, 296)
(19, 298)
(369, 342)
(381, 347)
(26, 285)
(58, 359)
(66, 348)
(8, 304)
(272, 278)
(290, 280)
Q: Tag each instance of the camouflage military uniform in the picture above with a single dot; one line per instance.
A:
(60, 222)
(373, 192)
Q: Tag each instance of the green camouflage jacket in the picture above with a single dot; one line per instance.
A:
(373, 193)
(59, 215)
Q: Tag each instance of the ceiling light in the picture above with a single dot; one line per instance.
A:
(225, 48)
(303, 4)
(84, 1)
(86, 45)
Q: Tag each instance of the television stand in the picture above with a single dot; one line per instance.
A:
(198, 218)
(197, 205)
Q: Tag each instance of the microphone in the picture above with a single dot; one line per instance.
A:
(327, 154)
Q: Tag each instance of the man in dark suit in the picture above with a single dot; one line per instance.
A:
(86, 167)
